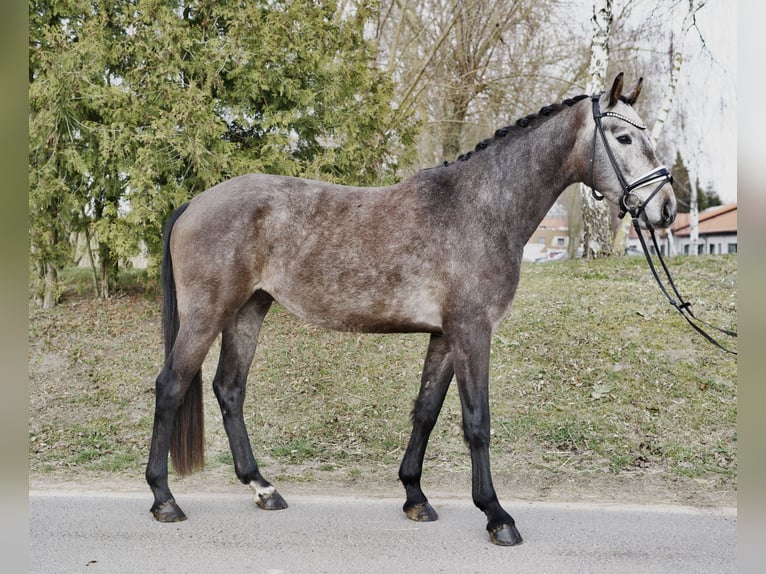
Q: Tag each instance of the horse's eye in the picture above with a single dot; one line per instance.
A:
(625, 140)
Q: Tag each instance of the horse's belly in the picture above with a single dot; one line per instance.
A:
(402, 313)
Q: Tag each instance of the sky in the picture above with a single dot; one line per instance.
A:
(709, 84)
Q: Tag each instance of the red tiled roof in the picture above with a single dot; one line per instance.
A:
(721, 219)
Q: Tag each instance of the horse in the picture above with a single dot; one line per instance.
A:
(438, 253)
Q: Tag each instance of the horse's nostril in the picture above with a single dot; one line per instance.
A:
(668, 213)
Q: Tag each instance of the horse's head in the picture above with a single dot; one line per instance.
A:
(622, 163)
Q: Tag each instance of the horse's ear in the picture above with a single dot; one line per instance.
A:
(616, 91)
(631, 99)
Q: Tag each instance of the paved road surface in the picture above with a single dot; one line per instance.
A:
(92, 532)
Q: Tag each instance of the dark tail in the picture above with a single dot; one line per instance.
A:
(187, 443)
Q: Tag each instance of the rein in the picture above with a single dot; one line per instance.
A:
(663, 176)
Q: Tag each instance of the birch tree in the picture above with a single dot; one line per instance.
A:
(694, 222)
(597, 234)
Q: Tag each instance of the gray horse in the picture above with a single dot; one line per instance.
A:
(439, 252)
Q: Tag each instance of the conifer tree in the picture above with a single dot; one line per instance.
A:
(137, 105)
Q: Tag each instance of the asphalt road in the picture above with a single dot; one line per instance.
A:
(92, 532)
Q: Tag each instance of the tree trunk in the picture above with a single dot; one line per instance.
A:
(670, 90)
(671, 242)
(597, 233)
(91, 259)
(50, 294)
(49, 270)
(573, 206)
(693, 223)
(108, 271)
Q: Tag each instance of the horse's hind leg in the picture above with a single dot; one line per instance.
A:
(238, 343)
(437, 374)
(181, 370)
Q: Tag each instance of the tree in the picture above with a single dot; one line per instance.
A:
(136, 105)
(597, 234)
(571, 200)
(709, 196)
(61, 151)
(693, 223)
(86, 120)
(466, 67)
(683, 187)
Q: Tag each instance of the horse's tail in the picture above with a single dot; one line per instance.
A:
(187, 442)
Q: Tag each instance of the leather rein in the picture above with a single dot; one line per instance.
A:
(661, 175)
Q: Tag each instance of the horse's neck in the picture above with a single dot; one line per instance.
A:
(520, 179)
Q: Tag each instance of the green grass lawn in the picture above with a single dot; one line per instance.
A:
(594, 378)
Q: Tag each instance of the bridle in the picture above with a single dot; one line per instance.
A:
(661, 176)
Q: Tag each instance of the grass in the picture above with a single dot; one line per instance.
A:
(595, 379)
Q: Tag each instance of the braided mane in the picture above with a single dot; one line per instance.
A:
(514, 129)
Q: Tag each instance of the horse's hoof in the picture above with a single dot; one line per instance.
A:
(270, 501)
(422, 512)
(168, 512)
(505, 535)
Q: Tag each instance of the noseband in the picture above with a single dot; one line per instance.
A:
(660, 174)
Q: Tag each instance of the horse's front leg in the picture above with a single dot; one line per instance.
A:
(437, 374)
(470, 353)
